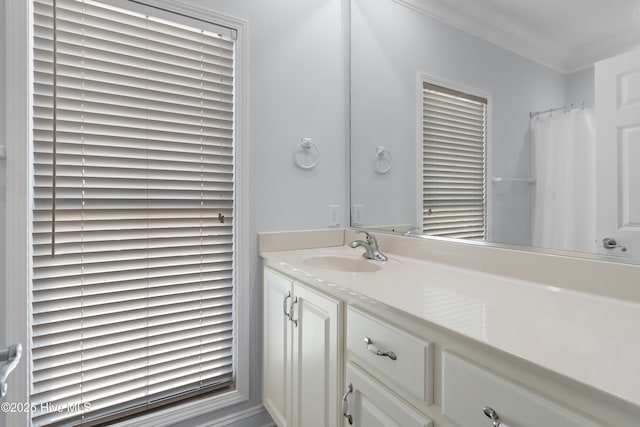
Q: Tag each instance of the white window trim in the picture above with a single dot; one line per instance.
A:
(19, 83)
(18, 21)
(438, 81)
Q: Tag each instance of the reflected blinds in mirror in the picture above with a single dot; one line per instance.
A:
(134, 117)
(454, 163)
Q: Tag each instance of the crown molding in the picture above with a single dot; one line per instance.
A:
(480, 20)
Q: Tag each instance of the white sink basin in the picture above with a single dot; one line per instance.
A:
(342, 263)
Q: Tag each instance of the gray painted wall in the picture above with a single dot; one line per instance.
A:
(581, 87)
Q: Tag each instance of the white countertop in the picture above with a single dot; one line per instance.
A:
(589, 338)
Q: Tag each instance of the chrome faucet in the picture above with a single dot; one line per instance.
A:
(370, 246)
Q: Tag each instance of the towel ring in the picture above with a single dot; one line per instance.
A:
(306, 154)
(382, 161)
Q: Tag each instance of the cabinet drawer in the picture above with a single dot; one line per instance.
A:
(410, 366)
(467, 389)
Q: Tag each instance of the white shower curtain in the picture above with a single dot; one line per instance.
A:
(564, 208)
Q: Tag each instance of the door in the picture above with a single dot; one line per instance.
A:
(277, 347)
(617, 107)
(370, 404)
(316, 359)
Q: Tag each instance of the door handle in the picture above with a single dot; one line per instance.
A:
(11, 357)
(610, 243)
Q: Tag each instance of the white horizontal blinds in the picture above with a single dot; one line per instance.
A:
(136, 305)
(454, 163)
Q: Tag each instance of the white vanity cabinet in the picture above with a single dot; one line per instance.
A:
(302, 359)
(420, 344)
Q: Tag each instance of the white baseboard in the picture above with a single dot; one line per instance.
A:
(256, 416)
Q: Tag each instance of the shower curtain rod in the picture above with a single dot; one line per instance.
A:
(564, 108)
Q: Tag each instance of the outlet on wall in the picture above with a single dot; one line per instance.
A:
(334, 215)
(356, 215)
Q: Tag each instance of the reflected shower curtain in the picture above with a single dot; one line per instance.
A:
(564, 215)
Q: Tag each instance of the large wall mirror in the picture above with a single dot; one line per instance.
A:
(506, 122)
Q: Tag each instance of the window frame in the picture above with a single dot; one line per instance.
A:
(421, 79)
(19, 194)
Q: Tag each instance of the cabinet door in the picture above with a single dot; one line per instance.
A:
(316, 359)
(276, 392)
(370, 404)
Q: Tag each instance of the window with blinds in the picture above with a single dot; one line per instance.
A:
(454, 140)
(133, 212)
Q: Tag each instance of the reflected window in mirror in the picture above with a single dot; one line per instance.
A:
(454, 163)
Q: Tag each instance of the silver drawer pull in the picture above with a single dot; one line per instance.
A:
(375, 350)
(345, 404)
(294, 301)
(284, 306)
(493, 415)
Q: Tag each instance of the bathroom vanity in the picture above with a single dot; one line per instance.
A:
(445, 334)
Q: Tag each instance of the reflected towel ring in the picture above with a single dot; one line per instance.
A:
(382, 161)
(306, 154)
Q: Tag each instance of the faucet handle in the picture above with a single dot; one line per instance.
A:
(368, 235)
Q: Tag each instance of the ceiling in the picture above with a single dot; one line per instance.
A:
(566, 35)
